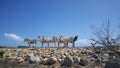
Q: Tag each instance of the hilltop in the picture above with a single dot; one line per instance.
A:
(56, 58)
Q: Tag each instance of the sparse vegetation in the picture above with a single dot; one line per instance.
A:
(104, 35)
(1, 53)
(20, 46)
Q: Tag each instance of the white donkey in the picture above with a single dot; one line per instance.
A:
(44, 39)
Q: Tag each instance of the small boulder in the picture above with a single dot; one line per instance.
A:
(60, 60)
(67, 62)
(19, 59)
(89, 52)
(118, 52)
(113, 63)
(83, 62)
(76, 59)
(45, 60)
(51, 60)
(98, 52)
(83, 51)
(12, 57)
(33, 59)
(97, 61)
(95, 56)
(57, 52)
(111, 53)
(105, 57)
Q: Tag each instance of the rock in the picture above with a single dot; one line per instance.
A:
(42, 55)
(118, 52)
(60, 60)
(12, 57)
(113, 63)
(66, 54)
(10, 62)
(89, 52)
(76, 59)
(83, 62)
(51, 60)
(31, 54)
(45, 60)
(19, 59)
(72, 54)
(19, 50)
(97, 61)
(111, 53)
(105, 57)
(15, 53)
(67, 62)
(98, 52)
(77, 66)
(95, 56)
(57, 52)
(68, 50)
(63, 56)
(83, 51)
(7, 55)
(33, 59)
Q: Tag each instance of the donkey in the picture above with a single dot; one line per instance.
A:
(44, 39)
(30, 41)
(68, 40)
(52, 40)
(60, 40)
(41, 39)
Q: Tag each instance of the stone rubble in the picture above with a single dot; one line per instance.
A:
(64, 57)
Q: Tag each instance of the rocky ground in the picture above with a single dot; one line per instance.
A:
(59, 58)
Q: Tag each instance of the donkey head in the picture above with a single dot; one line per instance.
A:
(26, 40)
(75, 38)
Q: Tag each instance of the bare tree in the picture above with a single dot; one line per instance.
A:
(118, 37)
(104, 35)
(93, 42)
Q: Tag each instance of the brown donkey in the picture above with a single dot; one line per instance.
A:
(30, 41)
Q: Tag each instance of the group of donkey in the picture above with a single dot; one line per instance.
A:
(54, 40)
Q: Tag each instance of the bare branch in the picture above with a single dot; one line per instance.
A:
(104, 35)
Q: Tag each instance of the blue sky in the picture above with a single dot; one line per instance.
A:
(31, 18)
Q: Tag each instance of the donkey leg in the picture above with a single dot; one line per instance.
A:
(65, 45)
(48, 45)
(58, 45)
(42, 45)
(55, 45)
(29, 45)
(73, 45)
(35, 46)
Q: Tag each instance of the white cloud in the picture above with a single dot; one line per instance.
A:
(83, 42)
(13, 36)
